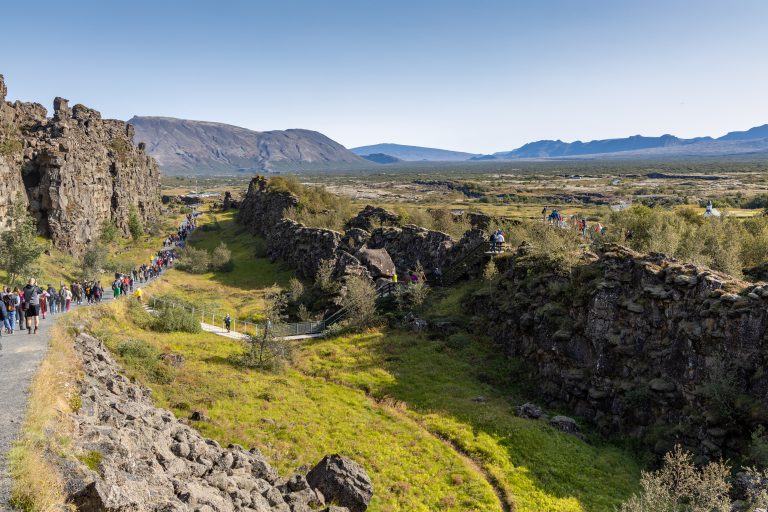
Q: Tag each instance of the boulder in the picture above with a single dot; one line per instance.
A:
(371, 217)
(354, 239)
(377, 261)
(342, 481)
(564, 424)
(528, 410)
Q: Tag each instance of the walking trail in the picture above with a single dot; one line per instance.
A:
(20, 357)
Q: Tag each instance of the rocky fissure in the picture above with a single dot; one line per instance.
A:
(73, 171)
(374, 244)
(150, 461)
(640, 345)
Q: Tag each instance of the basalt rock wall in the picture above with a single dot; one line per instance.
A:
(303, 248)
(149, 461)
(73, 171)
(640, 345)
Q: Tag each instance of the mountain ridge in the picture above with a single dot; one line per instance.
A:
(413, 153)
(184, 145)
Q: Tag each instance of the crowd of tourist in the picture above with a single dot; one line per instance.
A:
(555, 218)
(22, 308)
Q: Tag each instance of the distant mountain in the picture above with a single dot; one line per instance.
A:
(184, 146)
(381, 158)
(414, 153)
(752, 141)
(558, 148)
(758, 132)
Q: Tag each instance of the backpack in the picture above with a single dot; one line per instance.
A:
(9, 303)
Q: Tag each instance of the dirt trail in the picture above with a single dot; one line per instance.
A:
(20, 357)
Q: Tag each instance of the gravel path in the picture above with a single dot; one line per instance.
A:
(20, 357)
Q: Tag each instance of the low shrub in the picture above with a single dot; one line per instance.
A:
(145, 359)
(680, 485)
(360, 300)
(109, 231)
(135, 226)
(221, 259)
(176, 318)
(194, 261)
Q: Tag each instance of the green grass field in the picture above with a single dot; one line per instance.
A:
(398, 403)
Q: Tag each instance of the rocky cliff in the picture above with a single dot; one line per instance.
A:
(149, 461)
(395, 248)
(641, 345)
(74, 171)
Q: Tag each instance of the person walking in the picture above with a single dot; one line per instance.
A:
(20, 307)
(139, 294)
(67, 297)
(228, 322)
(52, 299)
(10, 304)
(43, 303)
(62, 297)
(3, 317)
(32, 294)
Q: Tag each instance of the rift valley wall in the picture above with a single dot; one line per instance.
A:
(641, 345)
(73, 171)
(375, 252)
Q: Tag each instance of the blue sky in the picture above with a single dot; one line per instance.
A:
(475, 75)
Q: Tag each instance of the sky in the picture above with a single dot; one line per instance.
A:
(477, 75)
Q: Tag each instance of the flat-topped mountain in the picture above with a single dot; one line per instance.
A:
(558, 148)
(184, 146)
(754, 140)
(413, 153)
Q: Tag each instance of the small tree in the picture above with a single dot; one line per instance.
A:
(94, 260)
(295, 289)
(360, 300)
(109, 231)
(324, 278)
(490, 272)
(680, 485)
(135, 226)
(194, 261)
(20, 247)
(266, 351)
(221, 258)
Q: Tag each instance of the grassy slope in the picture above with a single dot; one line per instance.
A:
(388, 399)
(542, 469)
(239, 292)
(57, 267)
(399, 404)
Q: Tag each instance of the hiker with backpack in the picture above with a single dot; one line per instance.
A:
(32, 294)
(228, 322)
(52, 299)
(10, 305)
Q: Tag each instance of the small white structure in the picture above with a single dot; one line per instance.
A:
(711, 211)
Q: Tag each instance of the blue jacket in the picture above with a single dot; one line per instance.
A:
(3, 310)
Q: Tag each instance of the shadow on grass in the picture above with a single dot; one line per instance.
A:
(477, 386)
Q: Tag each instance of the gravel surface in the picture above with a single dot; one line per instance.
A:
(20, 356)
